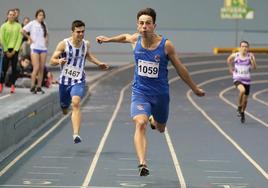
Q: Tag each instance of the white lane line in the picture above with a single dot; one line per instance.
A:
(235, 106)
(104, 138)
(175, 160)
(235, 144)
(170, 145)
(54, 127)
(5, 96)
(254, 96)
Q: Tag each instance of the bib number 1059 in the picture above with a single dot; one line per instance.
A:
(148, 69)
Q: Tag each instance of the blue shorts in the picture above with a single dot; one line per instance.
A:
(68, 91)
(37, 51)
(158, 106)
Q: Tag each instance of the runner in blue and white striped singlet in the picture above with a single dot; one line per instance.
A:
(72, 71)
(71, 54)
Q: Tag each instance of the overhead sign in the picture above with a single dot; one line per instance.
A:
(236, 9)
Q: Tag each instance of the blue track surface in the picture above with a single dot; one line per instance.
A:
(205, 145)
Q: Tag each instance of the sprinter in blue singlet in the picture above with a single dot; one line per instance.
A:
(150, 90)
(71, 54)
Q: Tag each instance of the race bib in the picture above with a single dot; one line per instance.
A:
(242, 71)
(72, 72)
(148, 68)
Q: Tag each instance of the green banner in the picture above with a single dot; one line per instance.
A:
(236, 9)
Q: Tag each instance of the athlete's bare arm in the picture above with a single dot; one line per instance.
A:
(230, 61)
(93, 59)
(181, 69)
(55, 58)
(253, 61)
(123, 38)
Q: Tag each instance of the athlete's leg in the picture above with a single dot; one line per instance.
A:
(77, 92)
(159, 126)
(244, 103)
(241, 94)
(76, 114)
(140, 140)
(42, 60)
(160, 111)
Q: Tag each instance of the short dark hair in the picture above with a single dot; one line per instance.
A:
(244, 41)
(147, 11)
(77, 23)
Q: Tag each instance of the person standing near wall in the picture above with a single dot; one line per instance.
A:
(39, 41)
(240, 65)
(11, 41)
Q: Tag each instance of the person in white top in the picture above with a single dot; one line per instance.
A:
(38, 38)
(240, 65)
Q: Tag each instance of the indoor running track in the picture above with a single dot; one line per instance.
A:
(204, 146)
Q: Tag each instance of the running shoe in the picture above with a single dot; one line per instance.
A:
(143, 170)
(77, 139)
(243, 117)
(33, 90)
(150, 121)
(39, 89)
(12, 89)
(64, 110)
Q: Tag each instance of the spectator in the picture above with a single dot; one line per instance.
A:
(39, 40)
(25, 50)
(17, 14)
(11, 40)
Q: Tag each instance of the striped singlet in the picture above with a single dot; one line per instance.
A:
(242, 67)
(72, 72)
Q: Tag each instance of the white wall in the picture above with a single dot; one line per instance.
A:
(192, 25)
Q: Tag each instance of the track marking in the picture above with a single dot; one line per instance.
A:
(104, 138)
(243, 152)
(175, 160)
(234, 106)
(5, 96)
(54, 127)
(254, 96)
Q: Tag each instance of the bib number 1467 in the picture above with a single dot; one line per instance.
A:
(148, 69)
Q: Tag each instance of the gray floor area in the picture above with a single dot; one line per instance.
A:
(204, 146)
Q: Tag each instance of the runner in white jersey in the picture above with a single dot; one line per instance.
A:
(71, 54)
(240, 64)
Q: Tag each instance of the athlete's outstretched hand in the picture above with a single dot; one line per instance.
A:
(101, 39)
(199, 92)
(103, 66)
